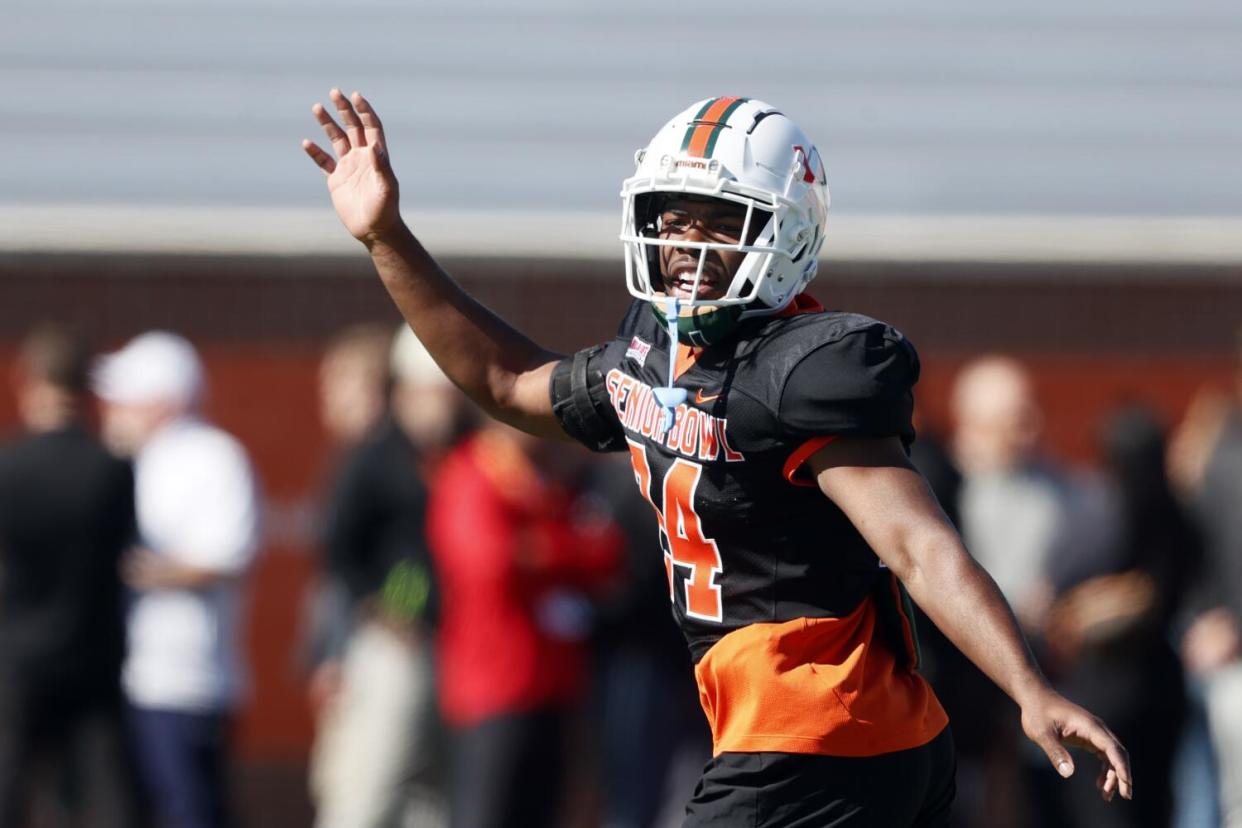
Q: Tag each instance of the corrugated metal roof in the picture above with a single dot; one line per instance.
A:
(1130, 107)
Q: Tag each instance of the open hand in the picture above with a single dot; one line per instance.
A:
(1055, 724)
(360, 177)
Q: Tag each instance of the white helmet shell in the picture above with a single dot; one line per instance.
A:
(740, 150)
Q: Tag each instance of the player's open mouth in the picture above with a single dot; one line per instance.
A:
(681, 283)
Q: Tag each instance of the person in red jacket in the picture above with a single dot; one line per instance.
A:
(517, 556)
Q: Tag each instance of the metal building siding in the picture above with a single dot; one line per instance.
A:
(954, 107)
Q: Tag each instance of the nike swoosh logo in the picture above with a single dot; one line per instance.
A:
(700, 399)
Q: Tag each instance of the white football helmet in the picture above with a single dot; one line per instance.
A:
(740, 150)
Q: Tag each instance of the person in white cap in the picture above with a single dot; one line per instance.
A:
(197, 515)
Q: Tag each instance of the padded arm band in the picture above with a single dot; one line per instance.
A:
(580, 402)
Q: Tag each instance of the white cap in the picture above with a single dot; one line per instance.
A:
(412, 364)
(154, 367)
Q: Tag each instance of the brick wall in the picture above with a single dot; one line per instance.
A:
(1093, 336)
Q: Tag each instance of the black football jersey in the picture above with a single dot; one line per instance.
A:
(746, 538)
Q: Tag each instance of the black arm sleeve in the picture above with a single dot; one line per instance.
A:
(580, 402)
(856, 385)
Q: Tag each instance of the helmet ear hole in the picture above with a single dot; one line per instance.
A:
(810, 246)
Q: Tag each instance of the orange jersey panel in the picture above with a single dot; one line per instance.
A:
(815, 685)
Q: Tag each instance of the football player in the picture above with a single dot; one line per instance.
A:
(770, 438)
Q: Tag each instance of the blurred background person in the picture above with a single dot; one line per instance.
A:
(1206, 460)
(518, 552)
(375, 757)
(66, 517)
(354, 377)
(1013, 498)
(353, 385)
(1017, 509)
(198, 531)
(1108, 637)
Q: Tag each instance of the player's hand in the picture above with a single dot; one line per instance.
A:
(360, 177)
(1055, 724)
(142, 569)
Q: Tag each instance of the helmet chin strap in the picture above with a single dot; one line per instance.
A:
(669, 397)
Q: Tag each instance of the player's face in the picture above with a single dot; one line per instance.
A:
(700, 220)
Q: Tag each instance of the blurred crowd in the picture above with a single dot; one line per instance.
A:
(123, 573)
(488, 640)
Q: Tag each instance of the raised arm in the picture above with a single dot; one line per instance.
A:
(498, 367)
(873, 482)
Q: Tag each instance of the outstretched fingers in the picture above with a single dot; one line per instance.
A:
(1080, 729)
(322, 159)
(340, 141)
(359, 126)
(372, 129)
(1107, 781)
(353, 126)
(1116, 762)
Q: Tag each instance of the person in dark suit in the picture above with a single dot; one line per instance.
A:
(66, 516)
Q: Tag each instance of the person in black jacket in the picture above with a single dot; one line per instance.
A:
(66, 516)
(375, 756)
(1108, 641)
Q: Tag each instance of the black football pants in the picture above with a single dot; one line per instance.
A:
(907, 789)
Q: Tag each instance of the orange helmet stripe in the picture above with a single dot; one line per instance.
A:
(701, 137)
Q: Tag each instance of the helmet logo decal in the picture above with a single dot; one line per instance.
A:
(705, 128)
(808, 174)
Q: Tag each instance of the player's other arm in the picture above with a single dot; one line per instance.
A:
(499, 368)
(873, 482)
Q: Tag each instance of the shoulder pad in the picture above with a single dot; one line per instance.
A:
(845, 374)
(580, 402)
